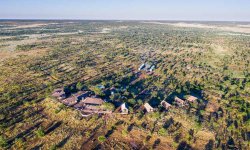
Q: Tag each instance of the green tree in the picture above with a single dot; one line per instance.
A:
(108, 106)
(132, 101)
(3, 142)
(101, 139)
(162, 132)
(155, 115)
(40, 132)
(53, 147)
(79, 86)
(140, 102)
(124, 132)
(97, 91)
(87, 134)
(19, 143)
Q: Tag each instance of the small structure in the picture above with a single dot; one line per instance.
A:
(191, 98)
(93, 101)
(165, 104)
(79, 105)
(152, 68)
(141, 67)
(179, 101)
(71, 101)
(93, 105)
(124, 109)
(112, 90)
(59, 94)
(189, 67)
(147, 67)
(148, 107)
(101, 86)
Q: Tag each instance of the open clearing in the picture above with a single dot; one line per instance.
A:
(238, 28)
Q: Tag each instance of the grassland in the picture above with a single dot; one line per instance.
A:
(39, 56)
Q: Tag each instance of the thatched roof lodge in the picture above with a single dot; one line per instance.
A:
(71, 101)
(124, 108)
(93, 101)
(59, 94)
(165, 104)
(179, 101)
(93, 105)
(191, 98)
(148, 108)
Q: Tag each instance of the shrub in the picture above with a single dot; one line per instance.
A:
(40, 132)
(53, 147)
(19, 143)
(101, 139)
(3, 142)
(87, 134)
(124, 132)
(108, 106)
(162, 132)
(79, 86)
(155, 115)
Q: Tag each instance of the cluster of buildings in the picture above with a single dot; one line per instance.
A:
(148, 108)
(147, 67)
(85, 102)
(88, 103)
(178, 101)
(182, 102)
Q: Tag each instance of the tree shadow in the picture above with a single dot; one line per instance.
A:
(85, 142)
(37, 147)
(53, 127)
(144, 125)
(97, 127)
(15, 120)
(63, 142)
(148, 138)
(111, 131)
(184, 146)
(98, 147)
(168, 123)
(156, 143)
(209, 145)
(119, 122)
(130, 127)
(25, 133)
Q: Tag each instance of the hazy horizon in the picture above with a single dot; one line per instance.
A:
(179, 10)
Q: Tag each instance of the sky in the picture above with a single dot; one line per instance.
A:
(203, 10)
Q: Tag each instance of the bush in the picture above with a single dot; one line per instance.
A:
(79, 86)
(155, 115)
(19, 143)
(3, 142)
(40, 132)
(101, 139)
(108, 106)
(53, 147)
(124, 132)
(162, 132)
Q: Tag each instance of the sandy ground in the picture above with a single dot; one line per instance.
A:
(105, 30)
(10, 54)
(32, 39)
(237, 28)
(29, 26)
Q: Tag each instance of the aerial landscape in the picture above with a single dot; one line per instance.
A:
(124, 84)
